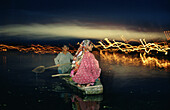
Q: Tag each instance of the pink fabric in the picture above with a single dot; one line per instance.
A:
(88, 71)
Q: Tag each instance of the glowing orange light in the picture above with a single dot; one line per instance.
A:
(145, 48)
(34, 48)
(127, 48)
(110, 51)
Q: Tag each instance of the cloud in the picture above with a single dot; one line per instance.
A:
(77, 30)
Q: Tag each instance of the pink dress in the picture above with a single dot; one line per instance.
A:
(88, 71)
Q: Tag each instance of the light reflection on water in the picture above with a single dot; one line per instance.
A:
(125, 86)
(121, 65)
(131, 71)
(86, 103)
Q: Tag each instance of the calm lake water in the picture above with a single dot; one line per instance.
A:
(125, 87)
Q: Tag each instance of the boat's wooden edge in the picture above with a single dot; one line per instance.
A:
(93, 98)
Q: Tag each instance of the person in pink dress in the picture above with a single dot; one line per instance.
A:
(85, 68)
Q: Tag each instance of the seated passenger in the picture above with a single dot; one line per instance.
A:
(85, 68)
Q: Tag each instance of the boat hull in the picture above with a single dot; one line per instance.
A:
(97, 88)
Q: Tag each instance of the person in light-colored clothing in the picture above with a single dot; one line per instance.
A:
(64, 57)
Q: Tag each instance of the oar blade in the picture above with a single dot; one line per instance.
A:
(39, 69)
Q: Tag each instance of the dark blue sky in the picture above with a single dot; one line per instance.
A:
(114, 11)
(134, 15)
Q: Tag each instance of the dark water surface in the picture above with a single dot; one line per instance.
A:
(125, 87)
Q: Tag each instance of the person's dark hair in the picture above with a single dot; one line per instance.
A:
(65, 46)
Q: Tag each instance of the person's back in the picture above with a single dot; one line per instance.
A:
(85, 66)
(88, 71)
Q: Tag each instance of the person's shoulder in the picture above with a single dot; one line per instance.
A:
(68, 52)
(60, 53)
(89, 54)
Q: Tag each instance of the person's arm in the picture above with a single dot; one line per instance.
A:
(56, 60)
(71, 56)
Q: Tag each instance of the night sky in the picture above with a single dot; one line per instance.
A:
(85, 19)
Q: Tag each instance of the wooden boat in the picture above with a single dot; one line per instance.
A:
(97, 88)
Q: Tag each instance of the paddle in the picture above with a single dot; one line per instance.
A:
(41, 69)
(55, 75)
